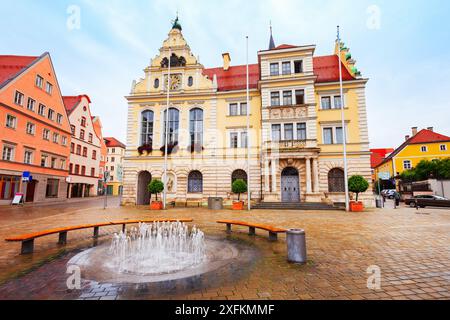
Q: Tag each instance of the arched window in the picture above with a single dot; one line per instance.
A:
(196, 127)
(195, 182)
(190, 81)
(156, 84)
(238, 175)
(147, 127)
(174, 124)
(336, 181)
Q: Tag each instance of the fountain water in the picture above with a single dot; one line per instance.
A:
(158, 248)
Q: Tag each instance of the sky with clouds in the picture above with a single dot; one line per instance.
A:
(402, 46)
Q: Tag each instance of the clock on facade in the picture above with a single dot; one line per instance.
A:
(175, 82)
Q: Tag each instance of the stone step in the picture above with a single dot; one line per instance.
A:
(294, 206)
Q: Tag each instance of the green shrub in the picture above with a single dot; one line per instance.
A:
(238, 187)
(357, 184)
(155, 187)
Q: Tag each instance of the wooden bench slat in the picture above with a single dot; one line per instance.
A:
(254, 225)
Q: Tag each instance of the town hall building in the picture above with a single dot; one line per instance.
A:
(295, 138)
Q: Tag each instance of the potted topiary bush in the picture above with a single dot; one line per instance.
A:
(239, 187)
(357, 185)
(155, 187)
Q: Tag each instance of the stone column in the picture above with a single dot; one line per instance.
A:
(316, 175)
(274, 176)
(266, 176)
(308, 176)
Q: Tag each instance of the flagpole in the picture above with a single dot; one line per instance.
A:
(248, 136)
(344, 132)
(166, 126)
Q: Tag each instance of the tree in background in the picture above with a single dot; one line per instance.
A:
(238, 187)
(437, 169)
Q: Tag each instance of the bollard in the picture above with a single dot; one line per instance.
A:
(296, 243)
(215, 203)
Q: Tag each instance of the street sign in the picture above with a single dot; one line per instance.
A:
(26, 176)
(384, 175)
(18, 199)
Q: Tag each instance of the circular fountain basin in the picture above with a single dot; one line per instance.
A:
(96, 264)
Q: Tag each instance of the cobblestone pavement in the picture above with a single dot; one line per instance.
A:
(410, 247)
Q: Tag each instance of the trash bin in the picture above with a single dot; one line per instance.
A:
(296, 245)
(215, 203)
(379, 202)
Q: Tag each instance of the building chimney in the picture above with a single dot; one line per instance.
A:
(407, 138)
(414, 131)
(431, 129)
(226, 61)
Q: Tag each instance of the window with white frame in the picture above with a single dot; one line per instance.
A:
(333, 135)
(331, 102)
(274, 69)
(8, 153)
(18, 98)
(407, 165)
(287, 98)
(244, 139)
(275, 99)
(64, 140)
(325, 103)
(443, 147)
(63, 164)
(49, 87)
(298, 66)
(41, 109)
(234, 140)
(300, 96)
(11, 121)
(46, 134)
(238, 139)
(55, 138)
(237, 109)
(301, 131)
(28, 157)
(328, 135)
(286, 68)
(423, 148)
(59, 118)
(39, 81)
(31, 103)
(31, 128)
(288, 131)
(51, 114)
(276, 132)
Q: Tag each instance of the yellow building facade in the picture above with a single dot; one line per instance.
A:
(295, 135)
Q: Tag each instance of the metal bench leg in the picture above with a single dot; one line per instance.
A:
(96, 231)
(228, 228)
(124, 226)
(27, 246)
(62, 238)
(251, 231)
(273, 236)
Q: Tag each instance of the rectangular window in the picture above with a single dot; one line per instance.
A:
(423, 148)
(8, 153)
(59, 118)
(92, 172)
(113, 150)
(276, 132)
(63, 164)
(52, 188)
(49, 88)
(286, 68)
(44, 160)
(326, 103)
(72, 128)
(31, 103)
(82, 134)
(18, 98)
(77, 169)
(301, 131)
(244, 140)
(407, 165)
(51, 114)
(243, 109)
(70, 168)
(298, 66)
(443, 147)
(274, 99)
(64, 140)
(337, 102)
(55, 138)
(94, 154)
(31, 128)
(233, 109)
(112, 169)
(78, 150)
(83, 121)
(287, 98)
(91, 138)
(328, 135)
(274, 69)
(53, 163)
(289, 131)
(83, 170)
(41, 109)
(339, 135)
(113, 159)
(299, 96)
(46, 134)
(28, 157)
(85, 152)
(9, 186)
(39, 81)
(11, 121)
(72, 147)
(233, 140)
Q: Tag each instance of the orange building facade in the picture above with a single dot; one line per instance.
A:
(98, 130)
(34, 130)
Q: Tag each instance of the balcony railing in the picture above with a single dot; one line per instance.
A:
(286, 144)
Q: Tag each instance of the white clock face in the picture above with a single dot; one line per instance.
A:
(175, 82)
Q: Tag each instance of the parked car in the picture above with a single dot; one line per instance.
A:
(388, 193)
(428, 201)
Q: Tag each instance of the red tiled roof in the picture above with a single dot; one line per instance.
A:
(423, 136)
(235, 78)
(326, 68)
(285, 46)
(113, 143)
(377, 156)
(11, 66)
(70, 102)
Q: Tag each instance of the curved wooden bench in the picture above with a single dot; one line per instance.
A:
(28, 239)
(273, 231)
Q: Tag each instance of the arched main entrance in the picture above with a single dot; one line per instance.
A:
(290, 185)
(143, 196)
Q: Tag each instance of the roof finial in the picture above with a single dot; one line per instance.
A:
(271, 42)
(176, 24)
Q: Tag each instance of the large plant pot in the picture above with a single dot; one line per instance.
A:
(238, 205)
(156, 205)
(356, 206)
